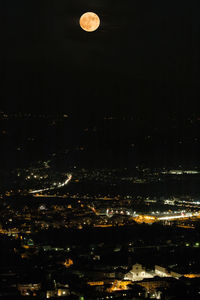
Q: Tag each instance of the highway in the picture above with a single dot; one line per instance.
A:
(55, 186)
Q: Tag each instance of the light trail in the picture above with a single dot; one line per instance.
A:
(152, 219)
(187, 215)
(53, 187)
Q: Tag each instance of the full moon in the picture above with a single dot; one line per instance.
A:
(89, 21)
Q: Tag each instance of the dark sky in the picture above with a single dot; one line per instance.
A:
(143, 59)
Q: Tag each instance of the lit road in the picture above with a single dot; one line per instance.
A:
(180, 216)
(151, 217)
(55, 186)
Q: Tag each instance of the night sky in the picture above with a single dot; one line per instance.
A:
(144, 58)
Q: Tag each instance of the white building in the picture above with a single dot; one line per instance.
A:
(137, 273)
(161, 271)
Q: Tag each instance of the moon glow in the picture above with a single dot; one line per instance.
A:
(89, 21)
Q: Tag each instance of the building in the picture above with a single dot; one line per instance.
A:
(161, 271)
(137, 273)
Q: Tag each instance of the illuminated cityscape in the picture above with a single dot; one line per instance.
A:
(97, 232)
